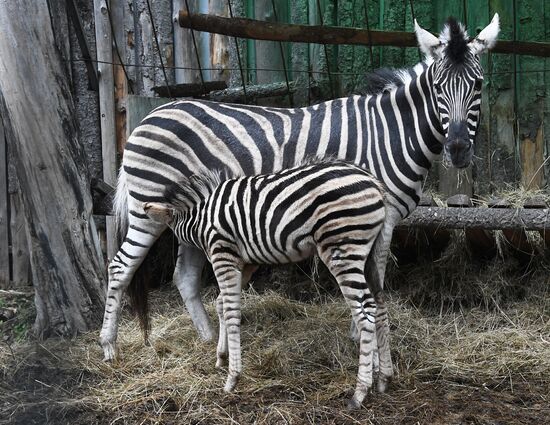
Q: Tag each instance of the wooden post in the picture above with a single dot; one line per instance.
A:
(104, 46)
(184, 51)
(4, 214)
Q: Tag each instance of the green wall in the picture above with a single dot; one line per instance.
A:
(512, 143)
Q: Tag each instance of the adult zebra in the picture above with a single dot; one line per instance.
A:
(396, 134)
(330, 208)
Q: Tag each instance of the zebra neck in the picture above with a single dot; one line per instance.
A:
(188, 228)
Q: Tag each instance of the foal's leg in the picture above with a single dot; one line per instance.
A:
(228, 275)
(187, 277)
(141, 235)
(221, 352)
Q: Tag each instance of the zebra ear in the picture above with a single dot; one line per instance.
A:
(487, 38)
(430, 45)
(159, 212)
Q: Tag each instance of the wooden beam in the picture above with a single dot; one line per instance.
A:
(261, 30)
(106, 108)
(480, 218)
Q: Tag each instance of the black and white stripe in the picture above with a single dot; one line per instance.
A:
(334, 210)
(396, 134)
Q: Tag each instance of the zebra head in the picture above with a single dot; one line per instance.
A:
(457, 82)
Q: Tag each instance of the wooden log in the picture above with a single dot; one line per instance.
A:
(516, 238)
(51, 166)
(106, 108)
(271, 31)
(481, 242)
(539, 202)
(189, 89)
(4, 213)
(480, 218)
(237, 95)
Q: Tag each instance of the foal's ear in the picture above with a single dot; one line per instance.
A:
(487, 38)
(159, 212)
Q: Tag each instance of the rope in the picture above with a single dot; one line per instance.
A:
(274, 69)
(158, 48)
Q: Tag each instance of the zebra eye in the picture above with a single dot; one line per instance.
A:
(478, 84)
(437, 86)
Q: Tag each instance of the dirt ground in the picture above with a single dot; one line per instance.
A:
(471, 365)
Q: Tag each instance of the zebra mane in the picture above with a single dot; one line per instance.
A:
(388, 79)
(192, 190)
(455, 37)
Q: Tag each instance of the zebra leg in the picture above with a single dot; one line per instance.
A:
(351, 279)
(376, 269)
(383, 341)
(221, 351)
(229, 276)
(187, 277)
(121, 270)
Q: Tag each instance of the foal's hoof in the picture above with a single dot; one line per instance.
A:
(383, 382)
(231, 383)
(221, 362)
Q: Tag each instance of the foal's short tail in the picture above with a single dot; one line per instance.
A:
(138, 289)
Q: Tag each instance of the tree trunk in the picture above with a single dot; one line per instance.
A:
(38, 113)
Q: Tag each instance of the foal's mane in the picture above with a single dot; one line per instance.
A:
(192, 190)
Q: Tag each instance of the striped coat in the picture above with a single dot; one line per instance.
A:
(331, 209)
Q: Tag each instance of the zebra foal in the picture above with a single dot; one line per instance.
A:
(333, 209)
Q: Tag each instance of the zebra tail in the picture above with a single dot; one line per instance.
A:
(138, 289)
(120, 204)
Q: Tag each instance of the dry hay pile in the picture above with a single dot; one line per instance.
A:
(453, 365)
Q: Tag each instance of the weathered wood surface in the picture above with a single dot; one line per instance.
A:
(271, 31)
(184, 51)
(138, 107)
(68, 273)
(4, 216)
(481, 218)
(20, 248)
(104, 44)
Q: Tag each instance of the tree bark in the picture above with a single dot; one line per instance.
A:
(38, 113)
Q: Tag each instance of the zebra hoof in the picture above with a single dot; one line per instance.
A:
(231, 383)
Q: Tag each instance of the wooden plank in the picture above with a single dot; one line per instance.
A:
(4, 213)
(219, 45)
(530, 95)
(104, 46)
(258, 30)
(138, 107)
